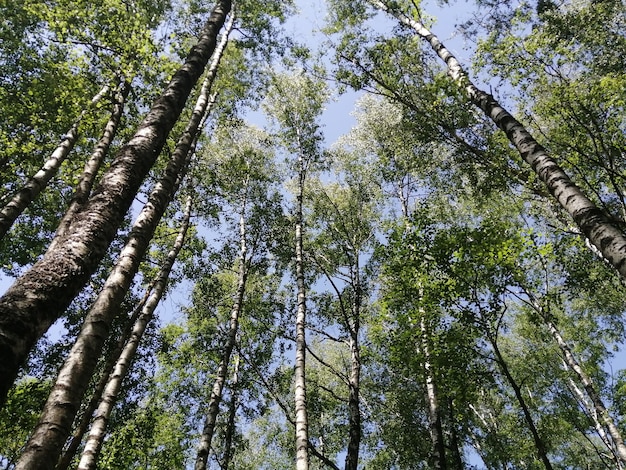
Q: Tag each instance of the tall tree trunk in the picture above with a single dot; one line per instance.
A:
(593, 222)
(455, 444)
(81, 428)
(432, 402)
(572, 363)
(216, 394)
(302, 423)
(33, 187)
(232, 414)
(354, 379)
(66, 395)
(87, 179)
(539, 444)
(42, 294)
(98, 427)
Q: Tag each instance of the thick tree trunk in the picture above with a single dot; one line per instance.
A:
(42, 294)
(432, 402)
(302, 423)
(593, 222)
(33, 187)
(55, 421)
(216, 394)
(539, 444)
(98, 427)
(87, 179)
(83, 425)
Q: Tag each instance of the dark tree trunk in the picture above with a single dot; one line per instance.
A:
(539, 444)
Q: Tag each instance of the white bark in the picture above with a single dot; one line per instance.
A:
(302, 424)
(218, 386)
(64, 400)
(98, 428)
(87, 179)
(593, 222)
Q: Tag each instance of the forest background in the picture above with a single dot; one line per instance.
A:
(434, 281)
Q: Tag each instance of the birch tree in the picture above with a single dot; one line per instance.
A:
(294, 103)
(605, 235)
(41, 295)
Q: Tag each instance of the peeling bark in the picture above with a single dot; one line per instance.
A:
(42, 294)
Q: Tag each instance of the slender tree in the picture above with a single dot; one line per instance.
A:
(294, 103)
(90, 172)
(98, 427)
(593, 222)
(70, 385)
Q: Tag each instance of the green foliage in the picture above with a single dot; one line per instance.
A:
(19, 415)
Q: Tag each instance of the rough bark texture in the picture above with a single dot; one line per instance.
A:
(539, 444)
(97, 432)
(87, 179)
(302, 424)
(593, 222)
(33, 187)
(218, 386)
(83, 425)
(43, 293)
(67, 393)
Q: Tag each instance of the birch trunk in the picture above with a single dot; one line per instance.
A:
(432, 402)
(98, 427)
(67, 393)
(218, 386)
(42, 294)
(302, 424)
(33, 187)
(539, 444)
(87, 179)
(593, 222)
(83, 425)
(232, 414)
(354, 379)
(599, 408)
